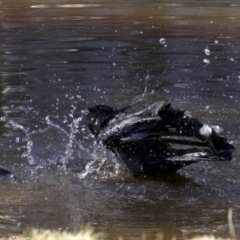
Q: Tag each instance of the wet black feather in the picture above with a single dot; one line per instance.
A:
(157, 140)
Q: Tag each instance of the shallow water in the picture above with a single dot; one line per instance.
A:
(59, 57)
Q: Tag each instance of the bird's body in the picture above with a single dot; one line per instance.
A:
(157, 140)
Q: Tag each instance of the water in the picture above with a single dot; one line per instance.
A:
(59, 57)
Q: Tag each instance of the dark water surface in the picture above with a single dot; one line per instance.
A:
(57, 58)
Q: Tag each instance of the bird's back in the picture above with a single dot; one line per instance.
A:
(162, 139)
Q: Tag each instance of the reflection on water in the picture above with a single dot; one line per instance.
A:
(60, 57)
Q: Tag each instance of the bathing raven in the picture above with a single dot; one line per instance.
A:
(157, 140)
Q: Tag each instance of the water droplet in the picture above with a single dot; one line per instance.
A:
(207, 107)
(207, 51)
(17, 139)
(162, 41)
(216, 41)
(206, 61)
(114, 64)
(31, 160)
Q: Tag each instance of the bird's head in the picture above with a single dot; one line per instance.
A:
(98, 117)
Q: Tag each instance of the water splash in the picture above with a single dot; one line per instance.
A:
(104, 164)
(54, 144)
(144, 93)
(14, 125)
(69, 147)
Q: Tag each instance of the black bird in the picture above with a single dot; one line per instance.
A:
(157, 140)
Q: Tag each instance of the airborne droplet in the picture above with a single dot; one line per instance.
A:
(206, 61)
(207, 51)
(162, 41)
